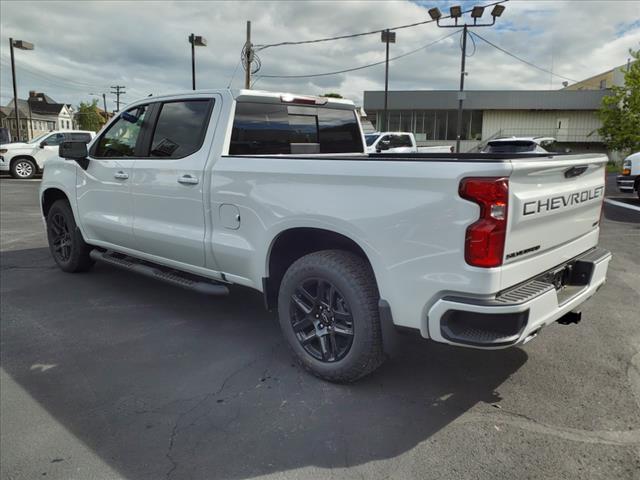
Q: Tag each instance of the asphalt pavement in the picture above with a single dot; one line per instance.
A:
(108, 375)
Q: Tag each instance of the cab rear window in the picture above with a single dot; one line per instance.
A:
(271, 128)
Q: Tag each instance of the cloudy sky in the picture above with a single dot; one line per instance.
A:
(86, 47)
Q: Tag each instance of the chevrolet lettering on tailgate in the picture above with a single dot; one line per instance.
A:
(561, 201)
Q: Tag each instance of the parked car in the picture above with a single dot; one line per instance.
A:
(399, 142)
(520, 145)
(24, 159)
(629, 180)
(202, 190)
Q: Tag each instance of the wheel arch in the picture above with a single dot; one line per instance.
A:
(50, 196)
(23, 156)
(292, 244)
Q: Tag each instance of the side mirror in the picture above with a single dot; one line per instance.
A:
(43, 144)
(76, 151)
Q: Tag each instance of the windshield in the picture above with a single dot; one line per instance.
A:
(39, 138)
(371, 138)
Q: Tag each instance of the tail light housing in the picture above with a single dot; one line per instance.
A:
(484, 239)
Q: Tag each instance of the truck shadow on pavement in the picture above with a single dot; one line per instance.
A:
(161, 382)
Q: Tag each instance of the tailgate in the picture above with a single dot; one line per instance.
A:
(552, 202)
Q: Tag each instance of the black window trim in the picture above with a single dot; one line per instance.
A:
(146, 137)
(136, 148)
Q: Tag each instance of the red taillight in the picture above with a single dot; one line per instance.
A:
(484, 241)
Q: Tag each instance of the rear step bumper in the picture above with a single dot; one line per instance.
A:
(517, 315)
(169, 275)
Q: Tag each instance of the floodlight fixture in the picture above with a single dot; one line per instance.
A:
(477, 12)
(497, 11)
(435, 13)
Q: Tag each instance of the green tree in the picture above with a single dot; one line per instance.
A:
(89, 116)
(620, 111)
(332, 95)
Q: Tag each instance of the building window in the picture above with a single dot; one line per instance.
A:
(603, 84)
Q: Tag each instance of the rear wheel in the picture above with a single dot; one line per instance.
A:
(328, 310)
(66, 244)
(23, 168)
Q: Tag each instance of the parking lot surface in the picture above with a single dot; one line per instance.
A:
(108, 375)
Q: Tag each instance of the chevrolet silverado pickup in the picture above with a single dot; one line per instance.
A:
(24, 160)
(275, 192)
(399, 142)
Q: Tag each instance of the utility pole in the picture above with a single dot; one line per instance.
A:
(119, 90)
(248, 54)
(387, 37)
(104, 103)
(461, 93)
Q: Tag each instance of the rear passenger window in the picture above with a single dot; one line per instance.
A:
(272, 128)
(180, 128)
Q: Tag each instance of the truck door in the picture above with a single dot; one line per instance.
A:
(48, 148)
(169, 187)
(104, 188)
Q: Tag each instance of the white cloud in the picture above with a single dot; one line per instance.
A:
(84, 48)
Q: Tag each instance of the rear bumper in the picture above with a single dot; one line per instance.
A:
(517, 315)
(626, 182)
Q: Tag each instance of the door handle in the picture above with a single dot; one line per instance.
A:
(121, 175)
(188, 180)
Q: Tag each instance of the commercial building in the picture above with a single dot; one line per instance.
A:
(567, 115)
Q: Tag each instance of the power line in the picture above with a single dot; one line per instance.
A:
(521, 59)
(48, 76)
(365, 66)
(362, 34)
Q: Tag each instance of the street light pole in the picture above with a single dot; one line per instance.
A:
(387, 37)
(15, 90)
(193, 62)
(195, 41)
(22, 45)
(455, 14)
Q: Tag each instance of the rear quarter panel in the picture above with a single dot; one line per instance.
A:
(406, 216)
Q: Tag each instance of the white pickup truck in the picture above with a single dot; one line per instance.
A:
(206, 189)
(399, 142)
(24, 159)
(629, 180)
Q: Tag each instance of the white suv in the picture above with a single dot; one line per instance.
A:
(24, 160)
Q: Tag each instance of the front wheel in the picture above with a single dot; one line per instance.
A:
(328, 311)
(66, 244)
(23, 169)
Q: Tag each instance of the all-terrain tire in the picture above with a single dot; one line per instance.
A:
(66, 244)
(354, 286)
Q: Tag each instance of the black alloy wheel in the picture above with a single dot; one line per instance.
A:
(61, 237)
(321, 320)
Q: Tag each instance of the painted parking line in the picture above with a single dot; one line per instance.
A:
(622, 204)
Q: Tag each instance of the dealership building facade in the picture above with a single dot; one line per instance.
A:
(568, 115)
